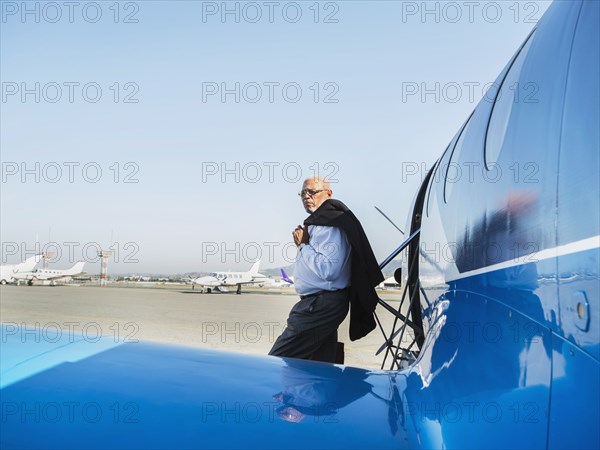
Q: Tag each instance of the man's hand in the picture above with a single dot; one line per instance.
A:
(300, 235)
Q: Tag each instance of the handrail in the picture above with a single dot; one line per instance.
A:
(396, 252)
(387, 260)
(389, 341)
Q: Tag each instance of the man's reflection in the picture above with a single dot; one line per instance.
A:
(311, 391)
(509, 232)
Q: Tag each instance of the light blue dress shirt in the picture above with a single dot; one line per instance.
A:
(323, 263)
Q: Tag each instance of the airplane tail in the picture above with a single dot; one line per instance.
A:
(254, 268)
(285, 277)
(76, 269)
(28, 264)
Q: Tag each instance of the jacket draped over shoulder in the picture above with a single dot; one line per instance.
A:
(365, 272)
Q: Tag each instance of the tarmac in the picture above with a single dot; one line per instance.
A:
(247, 323)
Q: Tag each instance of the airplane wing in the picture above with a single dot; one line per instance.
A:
(207, 283)
(59, 277)
(238, 283)
(163, 396)
(77, 392)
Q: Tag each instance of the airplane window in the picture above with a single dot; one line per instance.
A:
(511, 92)
(451, 176)
(435, 176)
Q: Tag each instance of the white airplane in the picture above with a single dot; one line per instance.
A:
(389, 283)
(285, 281)
(219, 281)
(272, 283)
(51, 275)
(8, 271)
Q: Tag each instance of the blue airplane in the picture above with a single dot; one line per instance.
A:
(498, 344)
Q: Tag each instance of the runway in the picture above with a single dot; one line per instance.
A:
(247, 323)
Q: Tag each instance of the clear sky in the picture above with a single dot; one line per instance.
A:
(179, 132)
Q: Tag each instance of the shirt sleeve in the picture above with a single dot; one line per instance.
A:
(326, 253)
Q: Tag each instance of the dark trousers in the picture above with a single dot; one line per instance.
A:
(311, 331)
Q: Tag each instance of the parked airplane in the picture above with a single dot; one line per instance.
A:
(8, 271)
(284, 281)
(51, 275)
(509, 313)
(220, 281)
(389, 283)
(507, 332)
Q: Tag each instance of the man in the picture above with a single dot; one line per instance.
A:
(335, 268)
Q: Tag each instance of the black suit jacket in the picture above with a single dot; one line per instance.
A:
(365, 273)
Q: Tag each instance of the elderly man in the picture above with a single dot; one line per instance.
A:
(335, 268)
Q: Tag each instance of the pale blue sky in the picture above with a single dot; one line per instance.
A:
(180, 222)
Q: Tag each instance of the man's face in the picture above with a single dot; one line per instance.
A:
(312, 203)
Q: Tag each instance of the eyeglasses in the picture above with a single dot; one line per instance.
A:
(310, 192)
